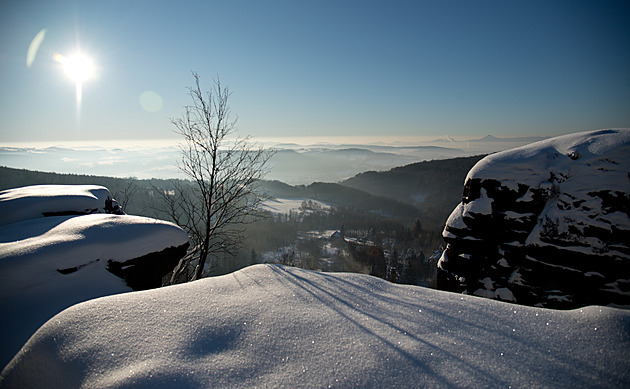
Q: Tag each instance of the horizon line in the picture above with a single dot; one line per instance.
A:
(300, 140)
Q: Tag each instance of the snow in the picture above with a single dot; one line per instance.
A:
(285, 205)
(568, 169)
(274, 326)
(505, 294)
(516, 278)
(456, 218)
(32, 201)
(69, 241)
(516, 215)
(34, 248)
(481, 206)
(586, 146)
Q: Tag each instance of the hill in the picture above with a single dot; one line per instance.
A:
(434, 187)
(343, 196)
(133, 194)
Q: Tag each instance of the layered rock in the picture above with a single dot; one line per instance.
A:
(546, 224)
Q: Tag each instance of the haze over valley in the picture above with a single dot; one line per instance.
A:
(294, 163)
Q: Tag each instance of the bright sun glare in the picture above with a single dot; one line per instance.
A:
(79, 68)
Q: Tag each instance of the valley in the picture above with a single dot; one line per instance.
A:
(386, 223)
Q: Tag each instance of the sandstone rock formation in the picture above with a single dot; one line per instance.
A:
(546, 224)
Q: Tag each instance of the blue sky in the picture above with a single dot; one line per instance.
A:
(320, 68)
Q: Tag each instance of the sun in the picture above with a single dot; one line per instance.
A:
(78, 66)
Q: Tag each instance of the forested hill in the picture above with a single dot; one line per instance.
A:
(345, 197)
(434, 187)
(14, 178)
(132, 194)
(426, 190)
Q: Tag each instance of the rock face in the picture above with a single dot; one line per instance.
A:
(147, 271)
(546, 224)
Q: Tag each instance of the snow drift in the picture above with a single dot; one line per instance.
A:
(274, 326)
(546, 224)
(62, 244)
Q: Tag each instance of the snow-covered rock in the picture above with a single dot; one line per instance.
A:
(48, 263)
(547, 224)
(55, 200)
(273, 326)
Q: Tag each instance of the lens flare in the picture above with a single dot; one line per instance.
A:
(33, 48)
(151, 101)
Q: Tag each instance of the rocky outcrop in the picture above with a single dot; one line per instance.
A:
(61, 245)
(546, 225)
(148, 271)
(37, 201)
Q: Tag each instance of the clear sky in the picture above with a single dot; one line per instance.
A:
(318, 68)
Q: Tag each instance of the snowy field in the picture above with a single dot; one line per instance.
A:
(286, 206)
(274, 326)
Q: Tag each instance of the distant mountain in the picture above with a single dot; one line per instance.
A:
(287, 145)
(450, 151)
(526, 139)
(309, 165)
(490, 139)
(294, 164)
(446, 138)
(487, 138)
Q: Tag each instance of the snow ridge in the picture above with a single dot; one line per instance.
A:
(268, 325)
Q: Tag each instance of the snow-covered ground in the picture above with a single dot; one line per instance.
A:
(274, 326)
(50, 263)
(326, 253)
(285, 206)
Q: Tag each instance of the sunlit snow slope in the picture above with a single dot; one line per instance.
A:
(273, 326)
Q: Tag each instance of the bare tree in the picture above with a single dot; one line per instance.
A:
(124, 192)
(224, 170)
